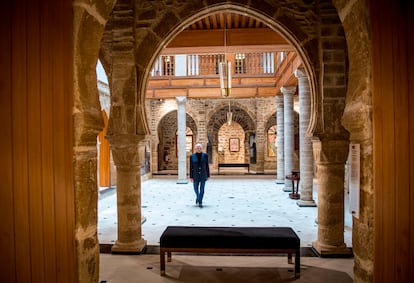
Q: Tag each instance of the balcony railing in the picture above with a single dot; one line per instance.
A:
(191, 65)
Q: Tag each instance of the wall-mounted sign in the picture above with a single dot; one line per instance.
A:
(354, 178)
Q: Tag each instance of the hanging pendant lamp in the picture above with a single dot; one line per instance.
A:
(225, 69)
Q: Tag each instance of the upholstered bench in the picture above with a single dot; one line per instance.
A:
(240, 240)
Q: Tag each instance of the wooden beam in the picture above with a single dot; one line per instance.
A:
(199, 38)
(230, 49)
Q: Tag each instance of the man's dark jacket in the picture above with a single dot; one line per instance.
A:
(199, 171)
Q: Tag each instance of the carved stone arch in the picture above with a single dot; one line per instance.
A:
(300, 24)
(172, 115)
(225, 104)
(166, 133)
(192, 118)
(219, 119)
(271, 120)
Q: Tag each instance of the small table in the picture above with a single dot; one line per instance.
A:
(295, 176)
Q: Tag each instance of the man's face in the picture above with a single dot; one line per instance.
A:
(198, 148)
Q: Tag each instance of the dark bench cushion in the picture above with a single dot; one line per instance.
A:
(229, 237)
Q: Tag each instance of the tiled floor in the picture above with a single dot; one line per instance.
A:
(222, 269)
(230, 200)
(236, 200)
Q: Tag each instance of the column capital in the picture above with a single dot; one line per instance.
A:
(125, 150)
(279, 98)
(300, 72)
(124, 140)
(330, 151)
(288, 89)
(181, 99)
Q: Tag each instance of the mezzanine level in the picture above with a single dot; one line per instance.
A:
(254, 74)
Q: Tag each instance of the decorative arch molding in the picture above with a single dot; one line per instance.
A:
(217, 120)
(191, 122)
(224, 103)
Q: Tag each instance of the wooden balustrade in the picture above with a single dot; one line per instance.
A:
(253, 63)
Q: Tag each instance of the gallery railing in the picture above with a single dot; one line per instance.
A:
(191, 65)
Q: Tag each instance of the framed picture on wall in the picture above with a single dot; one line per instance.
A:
(234, 144)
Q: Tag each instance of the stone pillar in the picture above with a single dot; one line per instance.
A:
(202, 131)
(289, 135)
(260, 137)
(128, 165)
(330, 156)
(280, 143)
(154, 156)
(305, 142)
(182, 127)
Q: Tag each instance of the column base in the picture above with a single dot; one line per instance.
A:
(294, 196)
(331, 251)
(185, 181)
(136, 247)
(280, 182)
(287, 189)
(306, 203)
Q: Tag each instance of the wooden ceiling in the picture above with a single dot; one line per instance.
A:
(242, 33)
(226, 20)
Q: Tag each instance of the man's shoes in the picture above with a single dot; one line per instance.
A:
(196, 201)
(200, 205)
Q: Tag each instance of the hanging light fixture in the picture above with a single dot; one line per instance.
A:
(225, 68)
(229, 115)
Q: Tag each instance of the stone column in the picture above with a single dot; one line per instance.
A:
(154, 156)
(280, 143)
(182, 127)
(202, 131)
(305, 142)
(289, 136)
(260, 137)
(128, 165)
(330, 156)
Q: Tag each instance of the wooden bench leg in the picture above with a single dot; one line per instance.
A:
(162, 262)
(297, 263)
(290, 258)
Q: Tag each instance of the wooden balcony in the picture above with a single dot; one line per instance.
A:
(253, 75)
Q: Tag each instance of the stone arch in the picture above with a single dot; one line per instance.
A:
(239, 115)
(167, 141)
(298, 23)
(225, 104)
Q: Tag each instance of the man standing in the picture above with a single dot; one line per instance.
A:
(199, 172)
